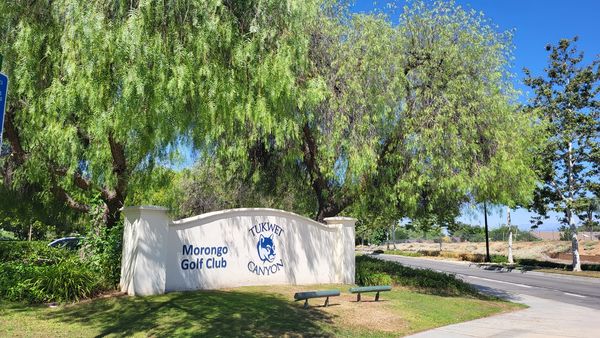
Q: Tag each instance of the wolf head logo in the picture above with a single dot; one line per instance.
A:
(266, 249)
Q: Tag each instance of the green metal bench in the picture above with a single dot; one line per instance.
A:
(305, 296)
(378, 289)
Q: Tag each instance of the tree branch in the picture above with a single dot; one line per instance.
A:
(117, 150)
(558, 190)
(80, 181)
(62, 195)
(11, 133)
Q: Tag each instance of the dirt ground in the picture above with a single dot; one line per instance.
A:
(534, 250)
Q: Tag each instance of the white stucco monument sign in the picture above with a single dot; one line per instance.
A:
(230, 248)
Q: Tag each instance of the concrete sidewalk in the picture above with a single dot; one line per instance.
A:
(544, 318)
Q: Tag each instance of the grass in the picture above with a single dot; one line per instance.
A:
(248, 311)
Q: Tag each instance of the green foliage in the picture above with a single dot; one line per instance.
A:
(526, 262)
(6, 235)
(396, 121)
(370, 279)
(467, 232)
(101, 91)
(474, 233)
(566, 100)
(164, 187)
(209, 187)
(103, 248)
(461, 134)
(425, 280)
(23, 208)
(498, 259)
(32, 253)
(36, 273)
(501, 234)
(65, 281)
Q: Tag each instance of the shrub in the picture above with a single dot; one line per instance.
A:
(425, 280)
(553, 265)
(367, 275)
(66, 281)
(34, 252)
(430, 253)
(36, 273)
(498, 259)
(103, 251)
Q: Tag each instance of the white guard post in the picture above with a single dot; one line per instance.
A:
(231, 248)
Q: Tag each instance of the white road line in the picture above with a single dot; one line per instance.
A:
(499, 281)
(574, 295)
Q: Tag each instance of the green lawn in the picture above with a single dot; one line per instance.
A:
(248, 311)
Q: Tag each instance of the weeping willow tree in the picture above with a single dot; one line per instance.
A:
(101, 90)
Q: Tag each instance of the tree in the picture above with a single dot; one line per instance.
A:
(588, 212)
(23, 213)
(206, 187)
(332, 132)
(566, 98)
(102, 90)
(398, 120)
(471, 143)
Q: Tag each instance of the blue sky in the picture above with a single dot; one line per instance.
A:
(535, 23)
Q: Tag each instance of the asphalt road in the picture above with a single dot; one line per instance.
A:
(582, 291)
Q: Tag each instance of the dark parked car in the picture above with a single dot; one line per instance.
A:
(71, 243)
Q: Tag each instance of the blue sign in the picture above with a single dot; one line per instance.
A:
(3, 92)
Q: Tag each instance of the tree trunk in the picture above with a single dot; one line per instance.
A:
(487, 234)
(387, 239)
(569, 201)
(30, 231)
(591, 223)
(510, 238)
(510, 253)
(394, 234)
(574, 241)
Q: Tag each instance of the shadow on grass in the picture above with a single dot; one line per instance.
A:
(201, 313)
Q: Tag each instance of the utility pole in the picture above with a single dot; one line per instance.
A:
(487, 235)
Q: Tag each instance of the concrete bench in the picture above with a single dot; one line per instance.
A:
(378, 289)
(305, 296)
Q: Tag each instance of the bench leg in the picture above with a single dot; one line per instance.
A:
(306, 303)
(326, 301)
(377, 296)
(358, 297)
